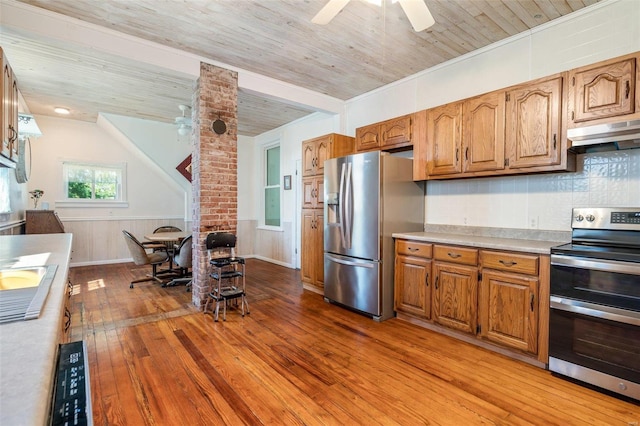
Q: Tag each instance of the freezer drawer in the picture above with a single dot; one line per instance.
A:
(353, 282)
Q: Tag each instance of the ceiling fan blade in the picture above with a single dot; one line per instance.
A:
(418, 14)
(329, 11)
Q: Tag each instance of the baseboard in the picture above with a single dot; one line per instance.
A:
(100, 262)
(266, 259)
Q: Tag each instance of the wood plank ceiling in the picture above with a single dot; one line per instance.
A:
(363, 48)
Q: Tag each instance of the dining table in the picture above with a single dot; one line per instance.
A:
(170, 240)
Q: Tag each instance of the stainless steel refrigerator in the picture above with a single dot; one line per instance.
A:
(368, 197)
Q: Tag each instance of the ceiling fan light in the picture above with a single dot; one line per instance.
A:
(418, 14)
(183, 129)
(329, 11)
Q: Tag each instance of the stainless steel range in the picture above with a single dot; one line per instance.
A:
(594, 326)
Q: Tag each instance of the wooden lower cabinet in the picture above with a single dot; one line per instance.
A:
(508, 310)
(455, 296)
(312, 256)
(488, 297)
(413, 286)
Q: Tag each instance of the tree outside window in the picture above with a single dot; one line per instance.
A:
(92, 181)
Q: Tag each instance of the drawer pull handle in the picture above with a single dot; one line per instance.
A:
(426, 280)
(627, 90)
(437, 278)
(412, 249)
(508, 262)
(453, 255)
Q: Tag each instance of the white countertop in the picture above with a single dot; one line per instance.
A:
(496, 243)
(28, 349)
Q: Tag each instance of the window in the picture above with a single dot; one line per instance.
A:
(272, 187)
(93, 183)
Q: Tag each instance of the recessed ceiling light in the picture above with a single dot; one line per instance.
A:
(61, 110)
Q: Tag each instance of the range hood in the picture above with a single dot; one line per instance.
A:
(605, 137)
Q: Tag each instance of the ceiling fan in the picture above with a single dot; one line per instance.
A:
(416, 10)
(184, 122)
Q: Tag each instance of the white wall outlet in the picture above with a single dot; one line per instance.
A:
(533, 223)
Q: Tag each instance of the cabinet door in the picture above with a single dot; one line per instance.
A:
(444, 136)
(534, 124)
(604, 91)
(367, 138)
(455, 301)
(7, 78)
(319, 245)
(312, 256)
(396, 131)
(308, 158)
(509, 310)
(308, 249)
(322, 153)
(413, 286)
(313, 192)
(14, 106)
(483, 132)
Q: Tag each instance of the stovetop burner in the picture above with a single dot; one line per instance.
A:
(623, 254)
(604, 233)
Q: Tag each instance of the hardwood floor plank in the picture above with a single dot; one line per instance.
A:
(157, 360)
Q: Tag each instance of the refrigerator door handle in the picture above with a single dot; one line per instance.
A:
(348, 208)
(341, 206)
(350, 262)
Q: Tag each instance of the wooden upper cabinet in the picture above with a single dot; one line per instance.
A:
(444, 136)
(604, 90)
(534, 133)
(316, 151)
(368, 138)
(483, 132)
(389, 134)
(9, 112)
(396, 132)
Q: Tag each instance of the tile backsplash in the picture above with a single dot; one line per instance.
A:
(537, 201)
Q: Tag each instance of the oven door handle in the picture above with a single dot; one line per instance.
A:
(593, 310)
(598, 265)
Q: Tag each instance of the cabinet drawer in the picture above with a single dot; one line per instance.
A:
(414, 248)
(510, 262)
(451, 254)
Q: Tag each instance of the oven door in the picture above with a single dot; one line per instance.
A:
(603, 282)
(594, 324)
(600, 347)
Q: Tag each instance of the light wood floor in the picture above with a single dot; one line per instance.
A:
(296, 360)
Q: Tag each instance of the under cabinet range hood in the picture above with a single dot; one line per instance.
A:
(605, 137)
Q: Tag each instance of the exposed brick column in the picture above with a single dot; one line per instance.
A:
(214, 166)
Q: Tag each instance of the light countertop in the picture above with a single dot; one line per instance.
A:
(484, 238)
(28, 349)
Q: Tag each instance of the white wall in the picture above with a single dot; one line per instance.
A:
(161, 143)
(153, 197)
(151, 193)
(600, 32)
(279, 245)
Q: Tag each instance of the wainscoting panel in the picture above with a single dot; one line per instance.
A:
(100, 241)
